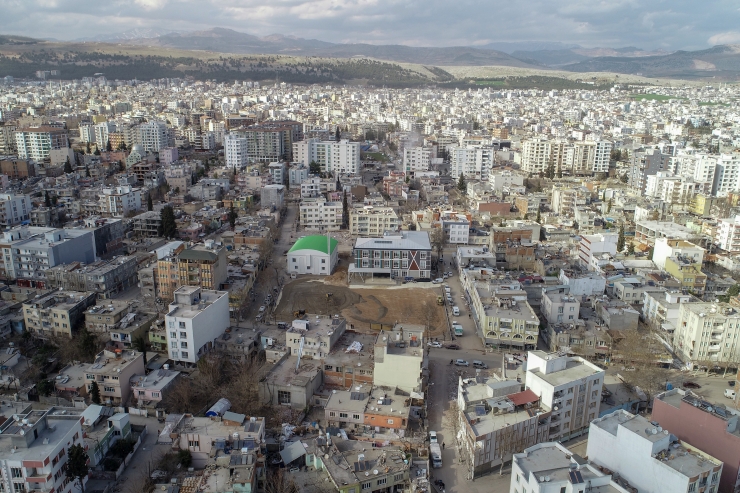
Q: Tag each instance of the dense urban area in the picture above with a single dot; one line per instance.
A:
(251, 287)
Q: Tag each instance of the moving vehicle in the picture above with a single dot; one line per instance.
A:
(452, 346)
(438, 280)
(691, 385)
(729, 393)
(435, 452)
(479, 364)
(458, 329)
(432, 436)
(456, 311)
(434, 344)
(461, 362)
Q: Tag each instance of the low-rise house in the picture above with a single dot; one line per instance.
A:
(399, 359)
(119, 321)
(314, 336)
(616, 314)
(558, 306)
(112, 372)
(291, 383)
(240, 344)
(149, 390)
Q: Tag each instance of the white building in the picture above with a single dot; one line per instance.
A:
(707, 332)
(727, 175)
(310, 255)
(14, 209)
(102, 133)
(665, 248)
(314, 186)
(457, 229)
(593, 247)
(727, 236)
(650, 458)
(119, 201)
(87, 134)
(602, 154)
(536, 155)
(583, 284)
(33, 450)
(319, 215)
(195, 319)
(153, 136)
(661, 309)
(333, 157)
(417, 159)
(235, 151)
(570, 387)
(297, 173)
(277, 170)
(549, 467)
(36, 143)
(372, 221)
(474, 162)
(272, 196)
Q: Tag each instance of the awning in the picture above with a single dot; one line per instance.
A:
(521, 398)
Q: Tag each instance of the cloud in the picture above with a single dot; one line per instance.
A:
(726, 38)
(682, 24)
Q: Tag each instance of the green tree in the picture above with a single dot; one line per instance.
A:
(232, 217)
(314, 168)
(87, 148)
(47, 199)
(732, 292)
(97, 151)
(95, 393)
(651, 251)
(609, 206)
(45, 387)
(67, 166)
(576, 226)
(184, 458)
(108, 146)
(461, 185)
(538, 220)
(624, 178)
(438, 240)
(149, 204)
(168, 226)
(620, 238)
(76, 468)
(345, 212)
(141, 345)
(631, 249)
(338, 135)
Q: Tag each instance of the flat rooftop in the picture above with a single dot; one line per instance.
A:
(59, 421)
(284, 373)
(574, 371)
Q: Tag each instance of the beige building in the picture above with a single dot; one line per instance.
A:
(200, 265)
(119, 322)
(112, 371)
(399, 358)
(56, 313)
(504, 316)
(372, 221)
(707, 333)
(315, 336)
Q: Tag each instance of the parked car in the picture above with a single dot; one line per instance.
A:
(452, 346)
(432, 436)
(456, 311)
(731, 383)
(449, 274)
(263, 308)
(479, 364)
(729, 393)
(434, 344)
(691, 385)
(461, 362)
(438, 280)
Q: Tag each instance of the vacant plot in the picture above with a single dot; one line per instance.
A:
(363, 307)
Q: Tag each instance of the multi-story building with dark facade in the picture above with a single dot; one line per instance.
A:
(395, 254)
(106, 278)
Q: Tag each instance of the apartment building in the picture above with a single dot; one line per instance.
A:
(272, 196)
(593, 247)
(297, 174)
(333, 157)
(318, 214)
(398, 255)
(363, 462)
(473, 162)
(727, 236)
(14, 209)
(417, 159)
(661, 308)
(687, 271)
(399, 358)
(152, 136)
(456, 228)
(314, 187)
(195, 319)
(147, 224)
(112, 371)
(665, 248)
(36, 143)
(17, 168)
(496, 420)
(550, 467)
(179, 177)
(651, 459)
(566, 200)
(504, 316)
(536, 155)
(7, 139)
(727, 175)
(119, 322)
(199, 265)
(56, 313)
(149, 390)
(372, 221)
(558, 305)
(708, 426)
(314, 336)
(33, 450)
(105, 277)
(707, 333)
(120, 201)
(235, 151)
(644, 163)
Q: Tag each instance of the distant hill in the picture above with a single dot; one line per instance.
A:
(722, 61)
(559, 58)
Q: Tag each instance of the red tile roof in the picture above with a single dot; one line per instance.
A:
(521, 398)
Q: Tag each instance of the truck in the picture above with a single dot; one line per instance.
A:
(435, 453)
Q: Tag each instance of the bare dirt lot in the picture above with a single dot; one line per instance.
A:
(362, 307)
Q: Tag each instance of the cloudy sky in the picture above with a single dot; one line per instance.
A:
(647, 24)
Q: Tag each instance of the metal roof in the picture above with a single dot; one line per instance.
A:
(314, 242)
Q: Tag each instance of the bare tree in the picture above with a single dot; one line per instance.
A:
(452, 419)
(279, 481)
(640, 351)
(438, 240)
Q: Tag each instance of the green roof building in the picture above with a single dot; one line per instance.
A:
(313, 255)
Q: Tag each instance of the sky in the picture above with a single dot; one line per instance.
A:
(646, 24)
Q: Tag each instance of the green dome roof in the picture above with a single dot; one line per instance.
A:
(314, 242)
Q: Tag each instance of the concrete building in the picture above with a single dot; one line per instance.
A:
(119, 322)
(650, 458)
(199, 265)
(583, 283)
(709, 427)
(474, 162)
(36, 143)
(399, 359)
(149, 390)
(568, 387)
(503, 315)
(291, 382)
(235, 151)
(550, 467)
(112, 371)
(707, 333)
(105, 277)
(661, 309)
(665, 248)
(152, 136)
(314, 187)
(297, 173)
(416, 159)
(56, 313)
(120, 201)
(333, 157)
(314, 337)
(278, 172)
(320, 215)
(559, 306)
(687, 271)
(17, 168)
(147, 224)
(727, 236)
(372, 221)
(593, 247)
(272, 196)
(395, 254)
(194, 321)
(14, 209)
(456, 228)
(33, 450)
(310, 255)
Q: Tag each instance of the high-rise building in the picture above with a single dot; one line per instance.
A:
(707, 333)
(153, 136)
(37, 142)
(333, 157)
(235, 151)
(14, 209)
(200, 265)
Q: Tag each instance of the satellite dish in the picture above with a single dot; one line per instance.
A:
(367, 473)
(375, 471)
(542, 479)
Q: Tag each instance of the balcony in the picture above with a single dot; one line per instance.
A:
(715, 348)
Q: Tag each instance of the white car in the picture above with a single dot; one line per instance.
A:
(432, 436)
(434, 344)
(461, 362)
(438, 280)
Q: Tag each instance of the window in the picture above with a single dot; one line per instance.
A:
(173, 344)
(367, 486)
(183, 335)
(155, 394)
(283, 397)
(193, 443)
(16, 472)
(173, 335)
(692, 486)
(184, 354)
(390, 421)
(184, 345)
(356, 416)
(109, 389)
(182, 325)
(332, 414)
(382, 481)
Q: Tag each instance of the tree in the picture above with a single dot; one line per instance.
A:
(142, 345)
(609, 206)
(640, 349)
(76, 468)
(461, 185)
(314, 168)
(184, 458)
(345, 212)
(452, 419)
(620, 238)
(232, 217)
(108, 146)
(575, 225)
(168, 226)
(539, 217)
(149, 204)
(732, 292)
(631, 248)
(87, 172)
(624, 178)
(338, 135)
(87, 148)
(47, 199)
(651, 251)
(97, 151)
(438, 240)
(67, 166)
(95, 393)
